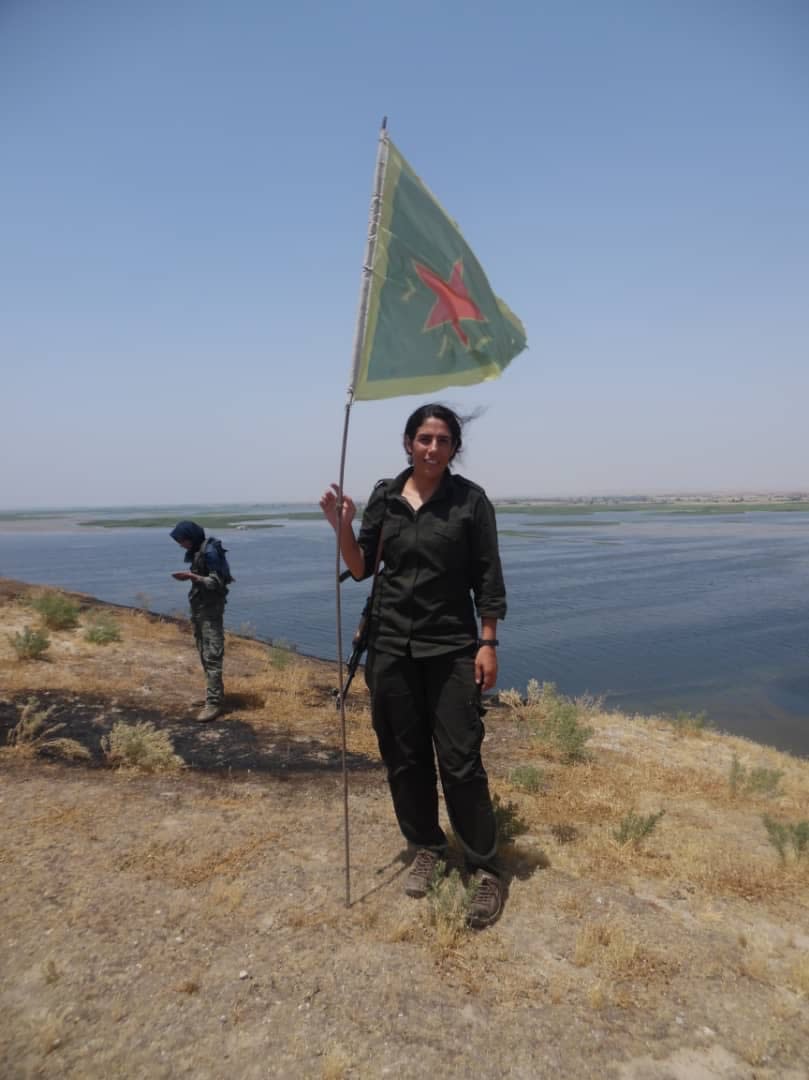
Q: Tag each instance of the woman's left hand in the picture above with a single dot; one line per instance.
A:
(486, 667)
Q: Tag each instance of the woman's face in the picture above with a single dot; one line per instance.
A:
(431, 448)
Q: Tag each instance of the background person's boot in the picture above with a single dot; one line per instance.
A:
(210, 712)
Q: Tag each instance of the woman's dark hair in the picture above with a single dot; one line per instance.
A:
(434, 411)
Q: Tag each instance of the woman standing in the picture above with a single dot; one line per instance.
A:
(427, 661)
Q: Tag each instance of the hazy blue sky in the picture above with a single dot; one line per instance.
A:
(183, 197)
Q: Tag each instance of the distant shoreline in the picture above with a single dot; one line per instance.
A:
(251, 517)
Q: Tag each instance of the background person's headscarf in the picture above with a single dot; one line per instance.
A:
(189, 530)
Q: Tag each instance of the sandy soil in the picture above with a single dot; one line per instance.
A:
(193, 922)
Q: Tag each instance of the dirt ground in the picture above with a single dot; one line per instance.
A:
(192, 921)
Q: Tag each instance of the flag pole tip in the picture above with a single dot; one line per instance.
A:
(384, 123)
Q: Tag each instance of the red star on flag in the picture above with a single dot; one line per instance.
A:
(453, 301)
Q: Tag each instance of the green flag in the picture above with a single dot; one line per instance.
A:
(431, 319)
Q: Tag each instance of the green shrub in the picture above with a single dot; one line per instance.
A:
(56, 611)
(509, 823)
(756, 781)
(634, 828)
(527, 778)
(763, 781)
(282, 653)
(140, 746)
(30, 644)
(102, 629)
(558, 726)
(554, 719)
(686, 723)
(448, 901)
(794, 835)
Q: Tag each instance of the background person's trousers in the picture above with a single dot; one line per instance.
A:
(209, 635)
(417, 704)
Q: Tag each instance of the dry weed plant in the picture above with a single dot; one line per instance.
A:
(32, 725)
(33, 734)
(140, 746)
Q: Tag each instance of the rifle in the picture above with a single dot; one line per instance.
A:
(359, 644)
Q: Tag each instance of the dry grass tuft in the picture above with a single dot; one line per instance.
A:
(67, 750)
(402, 930)
(336, 1064)
(140, 746)
(227, 896)
(179, 862)
(755, 964)
(734, 873)
(798, 978)
(597, 996)
(613, 951)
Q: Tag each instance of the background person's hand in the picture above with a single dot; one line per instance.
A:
(182, 575)
(329, 506)
(486, 667)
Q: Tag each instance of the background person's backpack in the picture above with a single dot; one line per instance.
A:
(216, 558)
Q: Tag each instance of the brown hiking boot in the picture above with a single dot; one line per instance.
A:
(421, 873)
(487, 901)
(210, 712)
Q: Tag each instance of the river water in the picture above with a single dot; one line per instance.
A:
(656, 612)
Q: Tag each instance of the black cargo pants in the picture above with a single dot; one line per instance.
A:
(418, 704)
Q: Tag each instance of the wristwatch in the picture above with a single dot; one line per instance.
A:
(488, 641)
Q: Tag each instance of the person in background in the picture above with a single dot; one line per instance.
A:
(209, 576)
(427, 661)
